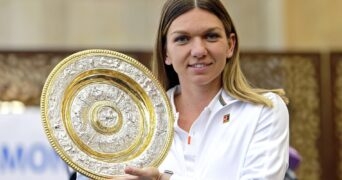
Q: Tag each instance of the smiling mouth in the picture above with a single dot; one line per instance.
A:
(199, 65)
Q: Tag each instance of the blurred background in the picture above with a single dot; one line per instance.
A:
(295, 45)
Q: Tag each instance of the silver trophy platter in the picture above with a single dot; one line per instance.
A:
(103, 111)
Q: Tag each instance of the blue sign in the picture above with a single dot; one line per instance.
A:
(36, 158)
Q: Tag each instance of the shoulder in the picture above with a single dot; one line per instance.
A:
(279, 111)
(277, 101)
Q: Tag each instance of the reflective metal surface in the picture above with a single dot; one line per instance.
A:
(103, 111)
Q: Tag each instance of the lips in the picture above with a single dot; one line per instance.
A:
(199, 65)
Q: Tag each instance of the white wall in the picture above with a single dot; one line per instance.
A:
(121, 24)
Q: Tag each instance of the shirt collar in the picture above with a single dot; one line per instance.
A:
(225, 98)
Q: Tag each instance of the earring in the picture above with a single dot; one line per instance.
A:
(167, 61)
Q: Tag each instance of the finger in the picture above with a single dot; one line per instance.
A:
(134, 171)
(148, 172)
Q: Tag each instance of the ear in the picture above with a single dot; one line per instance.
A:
(231, 45)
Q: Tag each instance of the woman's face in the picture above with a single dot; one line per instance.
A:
(197, 47)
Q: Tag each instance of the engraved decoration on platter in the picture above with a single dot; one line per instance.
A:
(103, 111)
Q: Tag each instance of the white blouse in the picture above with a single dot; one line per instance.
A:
(232, 140)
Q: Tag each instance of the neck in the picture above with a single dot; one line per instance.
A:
(196, 98)
(199, 95)
(191, 102)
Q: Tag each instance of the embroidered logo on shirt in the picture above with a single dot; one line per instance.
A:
(226, 118)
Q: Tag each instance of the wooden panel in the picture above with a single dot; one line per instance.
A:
(336, 79)
(22, 74)
(299, 75)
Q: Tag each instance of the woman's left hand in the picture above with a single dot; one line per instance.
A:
(132, 173)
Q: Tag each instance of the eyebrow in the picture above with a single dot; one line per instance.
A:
(185, 32)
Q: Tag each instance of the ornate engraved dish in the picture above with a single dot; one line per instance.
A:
(103, 111)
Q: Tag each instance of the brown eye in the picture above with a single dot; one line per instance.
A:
(181, 39)
(212, 37)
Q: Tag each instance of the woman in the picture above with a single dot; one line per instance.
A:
(224, 128)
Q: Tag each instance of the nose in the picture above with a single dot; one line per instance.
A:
(198, 48)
